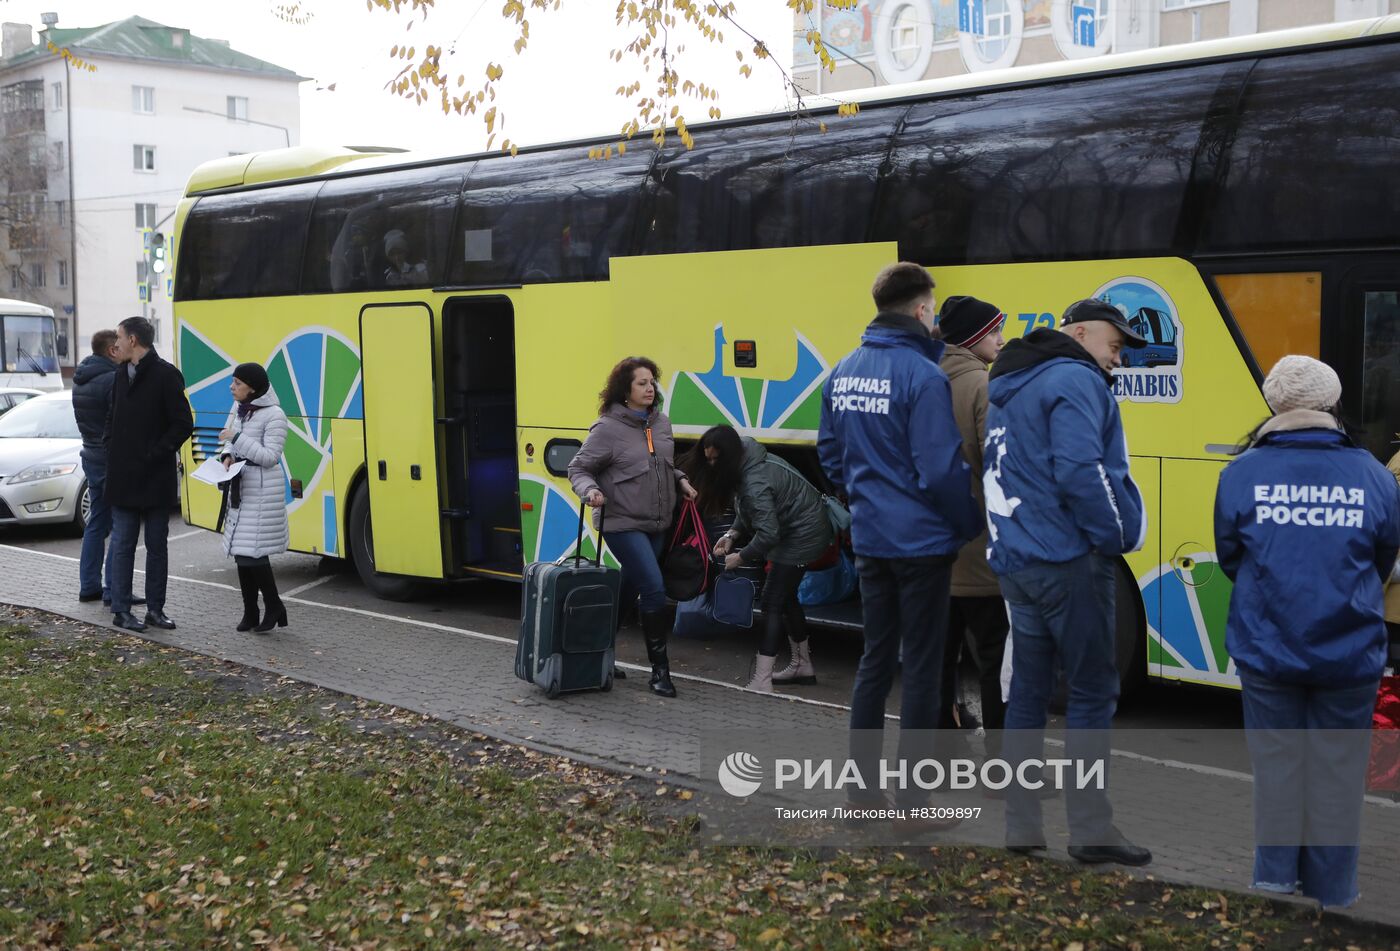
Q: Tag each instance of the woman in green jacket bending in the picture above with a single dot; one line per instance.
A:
(784, 521)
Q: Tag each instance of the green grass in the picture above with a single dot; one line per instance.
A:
(152, 798)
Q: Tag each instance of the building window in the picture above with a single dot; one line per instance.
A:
(143, 158)
(14, 277)
(57, 95)
(143, 100)
(145, 215)
(58, 153)
(903, 40)
(1002, 27)
(238, 107)
(36, 275)
(60, 209)
(62, 273)
(1179, 4)
(1082, 28)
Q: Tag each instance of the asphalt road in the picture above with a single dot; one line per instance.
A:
(1160, 720)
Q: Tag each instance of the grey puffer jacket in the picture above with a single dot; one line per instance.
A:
(781, 513)
(258, 527)
(639, 483)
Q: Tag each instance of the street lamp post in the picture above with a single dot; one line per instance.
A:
(210, 112)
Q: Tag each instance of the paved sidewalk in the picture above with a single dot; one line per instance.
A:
(1196, 821)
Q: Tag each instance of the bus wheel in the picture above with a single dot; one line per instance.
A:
(388, 587)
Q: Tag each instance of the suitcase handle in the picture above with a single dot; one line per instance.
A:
(578, 546)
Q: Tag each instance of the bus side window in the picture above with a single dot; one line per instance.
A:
(376, 232)
(1380, 372)
(244, 244)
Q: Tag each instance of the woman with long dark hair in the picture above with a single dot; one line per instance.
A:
(1307, 526)
(783, 521)
(255, 513)
(628, 464)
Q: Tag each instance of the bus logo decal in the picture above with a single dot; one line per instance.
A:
(1151, 374)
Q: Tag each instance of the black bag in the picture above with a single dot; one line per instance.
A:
(685, 567)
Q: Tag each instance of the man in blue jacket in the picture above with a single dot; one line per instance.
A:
(1061, 508)
(889, 440)
(92, 397)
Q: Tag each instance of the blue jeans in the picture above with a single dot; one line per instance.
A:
(639, 554)
(904, 604)
(1309, 780)
(91, 575)
(127, 525)
(1063, 611)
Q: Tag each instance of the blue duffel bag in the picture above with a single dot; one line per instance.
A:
(727, 606)
(830, 585)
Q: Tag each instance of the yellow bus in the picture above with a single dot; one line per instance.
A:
(437, 329)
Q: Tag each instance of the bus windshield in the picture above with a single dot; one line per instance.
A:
(28, 345)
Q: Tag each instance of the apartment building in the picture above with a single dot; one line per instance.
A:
(97, 147)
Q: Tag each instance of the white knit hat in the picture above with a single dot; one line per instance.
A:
(1298, 382)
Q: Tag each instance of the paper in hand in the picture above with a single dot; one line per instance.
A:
(214, 473)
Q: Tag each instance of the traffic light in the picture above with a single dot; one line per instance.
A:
(158, 260)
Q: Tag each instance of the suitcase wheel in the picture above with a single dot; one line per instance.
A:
(551, 690)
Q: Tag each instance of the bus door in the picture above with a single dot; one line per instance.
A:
(1369, 339)
(482, 467)
(401, 452)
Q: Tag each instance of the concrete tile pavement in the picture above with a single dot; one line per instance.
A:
(1197, 823)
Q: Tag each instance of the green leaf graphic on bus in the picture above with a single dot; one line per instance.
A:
(315, 375)
(790, 407)
(1189, 604)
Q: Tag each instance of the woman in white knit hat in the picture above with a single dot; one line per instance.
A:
(1307, 525)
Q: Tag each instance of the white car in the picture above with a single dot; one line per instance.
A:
(12, 396)
(41, 472)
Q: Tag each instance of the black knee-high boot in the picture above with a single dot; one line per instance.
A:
(275, 614)
(654, 630)
(248, 585)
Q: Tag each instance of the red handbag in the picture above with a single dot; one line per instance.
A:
(1384, 772)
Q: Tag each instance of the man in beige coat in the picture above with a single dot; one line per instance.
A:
(971, 328)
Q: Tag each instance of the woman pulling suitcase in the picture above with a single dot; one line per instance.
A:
(628, 463)
(785, 522)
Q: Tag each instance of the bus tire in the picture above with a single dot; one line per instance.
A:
(388, 587)
(1129, 643)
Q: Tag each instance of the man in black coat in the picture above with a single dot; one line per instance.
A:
(92, 400)
(149, 421)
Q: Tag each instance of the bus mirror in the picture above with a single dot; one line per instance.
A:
(62, 345)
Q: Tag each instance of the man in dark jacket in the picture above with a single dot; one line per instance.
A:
(1061, 508)
(889, 440)
(92, 398)
(149, 420)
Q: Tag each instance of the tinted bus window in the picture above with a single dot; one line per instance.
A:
(380, 232)
(1093, 168)
(771, 185)
(546, 217)
(246, 244)
(1314, 156)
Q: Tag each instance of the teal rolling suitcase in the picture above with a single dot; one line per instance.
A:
(568, 619)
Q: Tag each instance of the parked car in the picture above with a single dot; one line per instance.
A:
(41, 472)
(12, 396)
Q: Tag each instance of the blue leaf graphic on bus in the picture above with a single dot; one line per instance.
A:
(549, 523)
(700, 399)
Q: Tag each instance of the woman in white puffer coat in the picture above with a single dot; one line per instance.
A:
(255, 506)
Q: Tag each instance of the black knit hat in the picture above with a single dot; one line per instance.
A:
(965, 320)
(252, 374)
